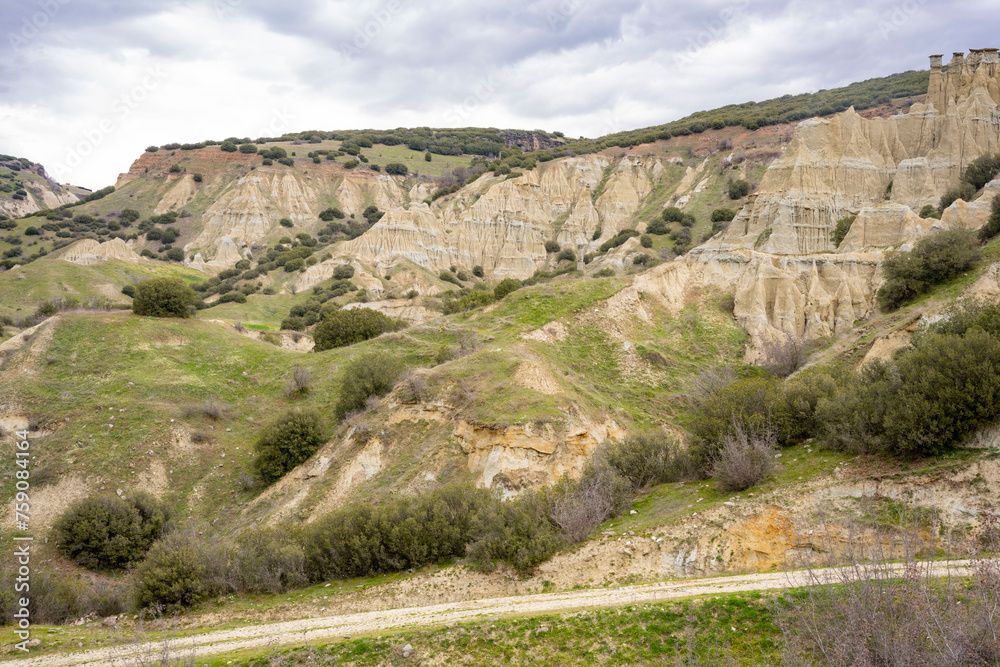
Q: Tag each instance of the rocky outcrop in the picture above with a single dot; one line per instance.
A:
(400, 309)
(505, 229)
(850, 165)
(89, 251)
(42, 191)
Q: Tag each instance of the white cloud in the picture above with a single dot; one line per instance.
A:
(255, 67)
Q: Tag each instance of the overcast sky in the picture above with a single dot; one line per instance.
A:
(85, 85)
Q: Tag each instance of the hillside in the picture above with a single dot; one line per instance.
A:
(582, 336)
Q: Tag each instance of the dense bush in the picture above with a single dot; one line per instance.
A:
(174, 574)
(671, 214)
(249, 149)
(723, 214)
(992, 226)
(933, 260)
(551, 247)
(477, 271)
(286, 443)
(164, 297)
(658, 227)
(982, 170)
(566, 254)
(928, 399)
(739, 188)
(965, 192)
(331, 213)
(840, 230)
(228, 147)
(930, 211)
(505, 287)
(618, 239)
(648, 458)
(371, 375)
(108, 532)
(396, 169)
(346, 327)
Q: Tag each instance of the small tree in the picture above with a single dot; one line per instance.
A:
(163, 297)
(173, 575)
(228, 147)
(505, 287)
(286, 443)
(346, 327)
(108, 532)
(739, 189)
(249, 149)
(371, 375)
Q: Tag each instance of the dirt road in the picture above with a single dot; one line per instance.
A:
(333, 627)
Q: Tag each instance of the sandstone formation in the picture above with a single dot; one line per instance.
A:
(849, 165)
(89, 251)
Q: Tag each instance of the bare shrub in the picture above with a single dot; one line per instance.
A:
(245, 481)
(212, 409)
(879, 613)
(709, 381)
(263, 561)
(299, 384)
(745, 458)
(577, 508)
(782, 355)
(141, 649)
(413, 388)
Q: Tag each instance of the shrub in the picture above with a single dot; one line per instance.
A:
(371, 375)
(607, 272)
(723, 214)
(174, 574)
(992, 226)
(108, 532)
(930, 211)
(577, 508)
(745, 457)
(933, 260)
(551, 247)
(597, 233)
(152, 149)
(928, 399)
(32, 231)
(286, 443)
(249, 149)
(175, 169)
(641, 258)
(739, 189)
(658, 227)
(647, 458)
(505, 287)
(175, 255)
(299, 384)
(518, 533)
(287, 161)
(567, 254)
(477, 271)
(346, 327)
(982, 170)
(840, 230)
(267, 162)
(672, 214)
(331, 213)
(618, 239)
(228, 147)
(965, 192)
(129, 290)
(343, 272)
(294, 265)
(163, 297)
(198, 178)
(286, 222)
(396, 169)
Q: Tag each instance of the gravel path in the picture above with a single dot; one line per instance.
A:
(327, 628)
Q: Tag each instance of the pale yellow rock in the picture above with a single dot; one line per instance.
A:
(402, 309)
(180, 193)
(89, 251)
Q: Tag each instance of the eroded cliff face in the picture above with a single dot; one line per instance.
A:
(502, 224)
(882, 169)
